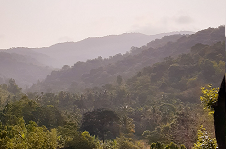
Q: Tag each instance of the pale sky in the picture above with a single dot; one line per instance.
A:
(39, 23)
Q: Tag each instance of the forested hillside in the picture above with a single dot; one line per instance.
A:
(138, 100)
(156, 107)
(24, 69)
(104, 74)
(28, 65)
(42, 59)
(75, 72)
(101, 71)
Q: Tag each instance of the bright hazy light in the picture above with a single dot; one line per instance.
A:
(38, 23)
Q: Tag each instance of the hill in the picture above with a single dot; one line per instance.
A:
(156, 104)
(24, 69)
(69, 53)
(29, 53)
(100, 71)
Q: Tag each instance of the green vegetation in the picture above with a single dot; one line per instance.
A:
(157, 108)
(209, 97)
(159, 145)
(27, 136)
(204, 141)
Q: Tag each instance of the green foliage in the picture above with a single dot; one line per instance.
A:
(66, 133)
(182, 146)
(28, 136)
(159, 145)
(102, 123)
(30, 110)
(172, 146)
(127, 143)
(204, 141)
(209, 97)
(83, 141)
(159, 103)
(108, 144)
(5, 96)
(127, 126)
(9, 92)
(155, 135)
(13, 87)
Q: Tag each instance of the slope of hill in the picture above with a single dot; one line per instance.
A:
(69, 53)
(157, 102)
(24, 69)
(133, 63)
(84, 74)
(41, 59)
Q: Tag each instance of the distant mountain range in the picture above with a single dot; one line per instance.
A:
(69, 53)
(101, 71)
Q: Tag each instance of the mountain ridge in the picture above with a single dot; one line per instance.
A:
(68, 53)
(96, 73)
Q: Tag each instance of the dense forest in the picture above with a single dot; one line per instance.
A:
(99, 71)
(158, 96)
(31, 65)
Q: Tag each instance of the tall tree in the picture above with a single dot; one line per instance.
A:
(13, 87)
(100, 122)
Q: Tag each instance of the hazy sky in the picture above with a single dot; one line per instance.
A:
(38, 23)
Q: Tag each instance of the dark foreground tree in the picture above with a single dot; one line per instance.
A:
(220, 117)
(102, 123)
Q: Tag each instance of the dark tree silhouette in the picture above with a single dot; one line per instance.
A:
(220, 117)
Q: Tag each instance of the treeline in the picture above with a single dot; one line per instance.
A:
(27, 123)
